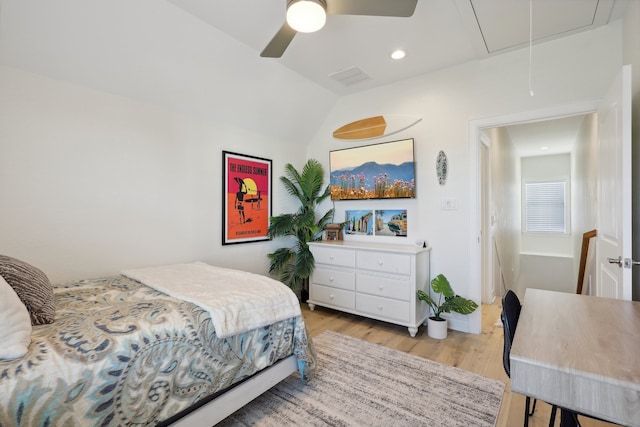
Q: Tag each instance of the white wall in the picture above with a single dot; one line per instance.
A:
(540, 271)
(579, 67)
(546, 260)
(555, 167)
(93, 183)
(631, 55)
(505, 207)
(584, 189)
(155, 52)
(531, 254)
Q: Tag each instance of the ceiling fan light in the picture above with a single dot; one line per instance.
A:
(398, 54)
(306, 16)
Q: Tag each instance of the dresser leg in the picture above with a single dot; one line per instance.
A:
(312, 306)
(413, 331)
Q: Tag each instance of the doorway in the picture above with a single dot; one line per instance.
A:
(541, 201)
(479, 211)
(614, 184)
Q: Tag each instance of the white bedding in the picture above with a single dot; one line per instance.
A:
(237, 301)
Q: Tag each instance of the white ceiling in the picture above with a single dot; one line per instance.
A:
(182, 54)
(558, 136)
(440, 34)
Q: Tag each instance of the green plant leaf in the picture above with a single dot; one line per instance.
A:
(280, 225)
(440, 285)
(459, 305)
(452, 302)
(279, 259)
(295, 264)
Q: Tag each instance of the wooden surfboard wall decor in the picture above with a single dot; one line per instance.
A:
(376, 126)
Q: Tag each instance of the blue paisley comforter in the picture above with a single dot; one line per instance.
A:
(121, 353)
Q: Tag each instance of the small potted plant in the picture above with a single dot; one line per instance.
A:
(436, 324)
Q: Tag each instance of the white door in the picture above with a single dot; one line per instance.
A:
(614, 190)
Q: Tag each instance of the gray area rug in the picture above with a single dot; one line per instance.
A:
(363, 384)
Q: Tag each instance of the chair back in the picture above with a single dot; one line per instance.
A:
(510, 314)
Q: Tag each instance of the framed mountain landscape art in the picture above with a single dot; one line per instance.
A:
(377, 171)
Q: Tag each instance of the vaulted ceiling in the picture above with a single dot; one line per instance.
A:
(202, 57)
(441, 33)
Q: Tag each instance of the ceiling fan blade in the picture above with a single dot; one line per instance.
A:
(279, 42)
(401, 8)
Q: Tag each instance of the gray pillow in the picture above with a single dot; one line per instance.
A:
(33, 288)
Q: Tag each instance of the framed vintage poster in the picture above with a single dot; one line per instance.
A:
(246, 204)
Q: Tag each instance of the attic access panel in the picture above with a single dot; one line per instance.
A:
(504, 24)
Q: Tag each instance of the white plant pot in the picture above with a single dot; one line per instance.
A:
(437, 328)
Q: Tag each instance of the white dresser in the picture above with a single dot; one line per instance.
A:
(375, 280)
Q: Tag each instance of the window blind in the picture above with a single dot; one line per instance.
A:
(545, 207)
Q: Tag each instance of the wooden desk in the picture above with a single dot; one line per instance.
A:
(579, 352)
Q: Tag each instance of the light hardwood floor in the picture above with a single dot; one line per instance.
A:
(481, 353)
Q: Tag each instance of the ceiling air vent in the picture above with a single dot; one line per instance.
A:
(350, 76)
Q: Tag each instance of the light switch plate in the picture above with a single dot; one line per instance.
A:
(448, 204)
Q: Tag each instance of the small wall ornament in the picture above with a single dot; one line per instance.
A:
(442, 167)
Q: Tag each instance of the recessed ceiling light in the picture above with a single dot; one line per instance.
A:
(544, 148)
(398, 54)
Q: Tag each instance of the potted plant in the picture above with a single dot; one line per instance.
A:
(436, 324)
(295, 264)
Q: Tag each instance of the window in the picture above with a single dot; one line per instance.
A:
(545, 207)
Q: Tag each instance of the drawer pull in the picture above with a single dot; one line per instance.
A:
(380, 288)
(331, 279)
(331, 296)
(380, 262)
(380, 307)
(331, 257)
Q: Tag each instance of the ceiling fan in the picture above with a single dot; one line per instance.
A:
(309, 16)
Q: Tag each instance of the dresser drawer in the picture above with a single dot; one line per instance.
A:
(380, 261)
(334, 297)
(384, 285)
(382, 307)
(379, 281)
(335, 278)
(334, 256)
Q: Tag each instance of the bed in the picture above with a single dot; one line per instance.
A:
(117, 351)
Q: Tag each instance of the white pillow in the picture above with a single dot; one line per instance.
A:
(15, 324)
